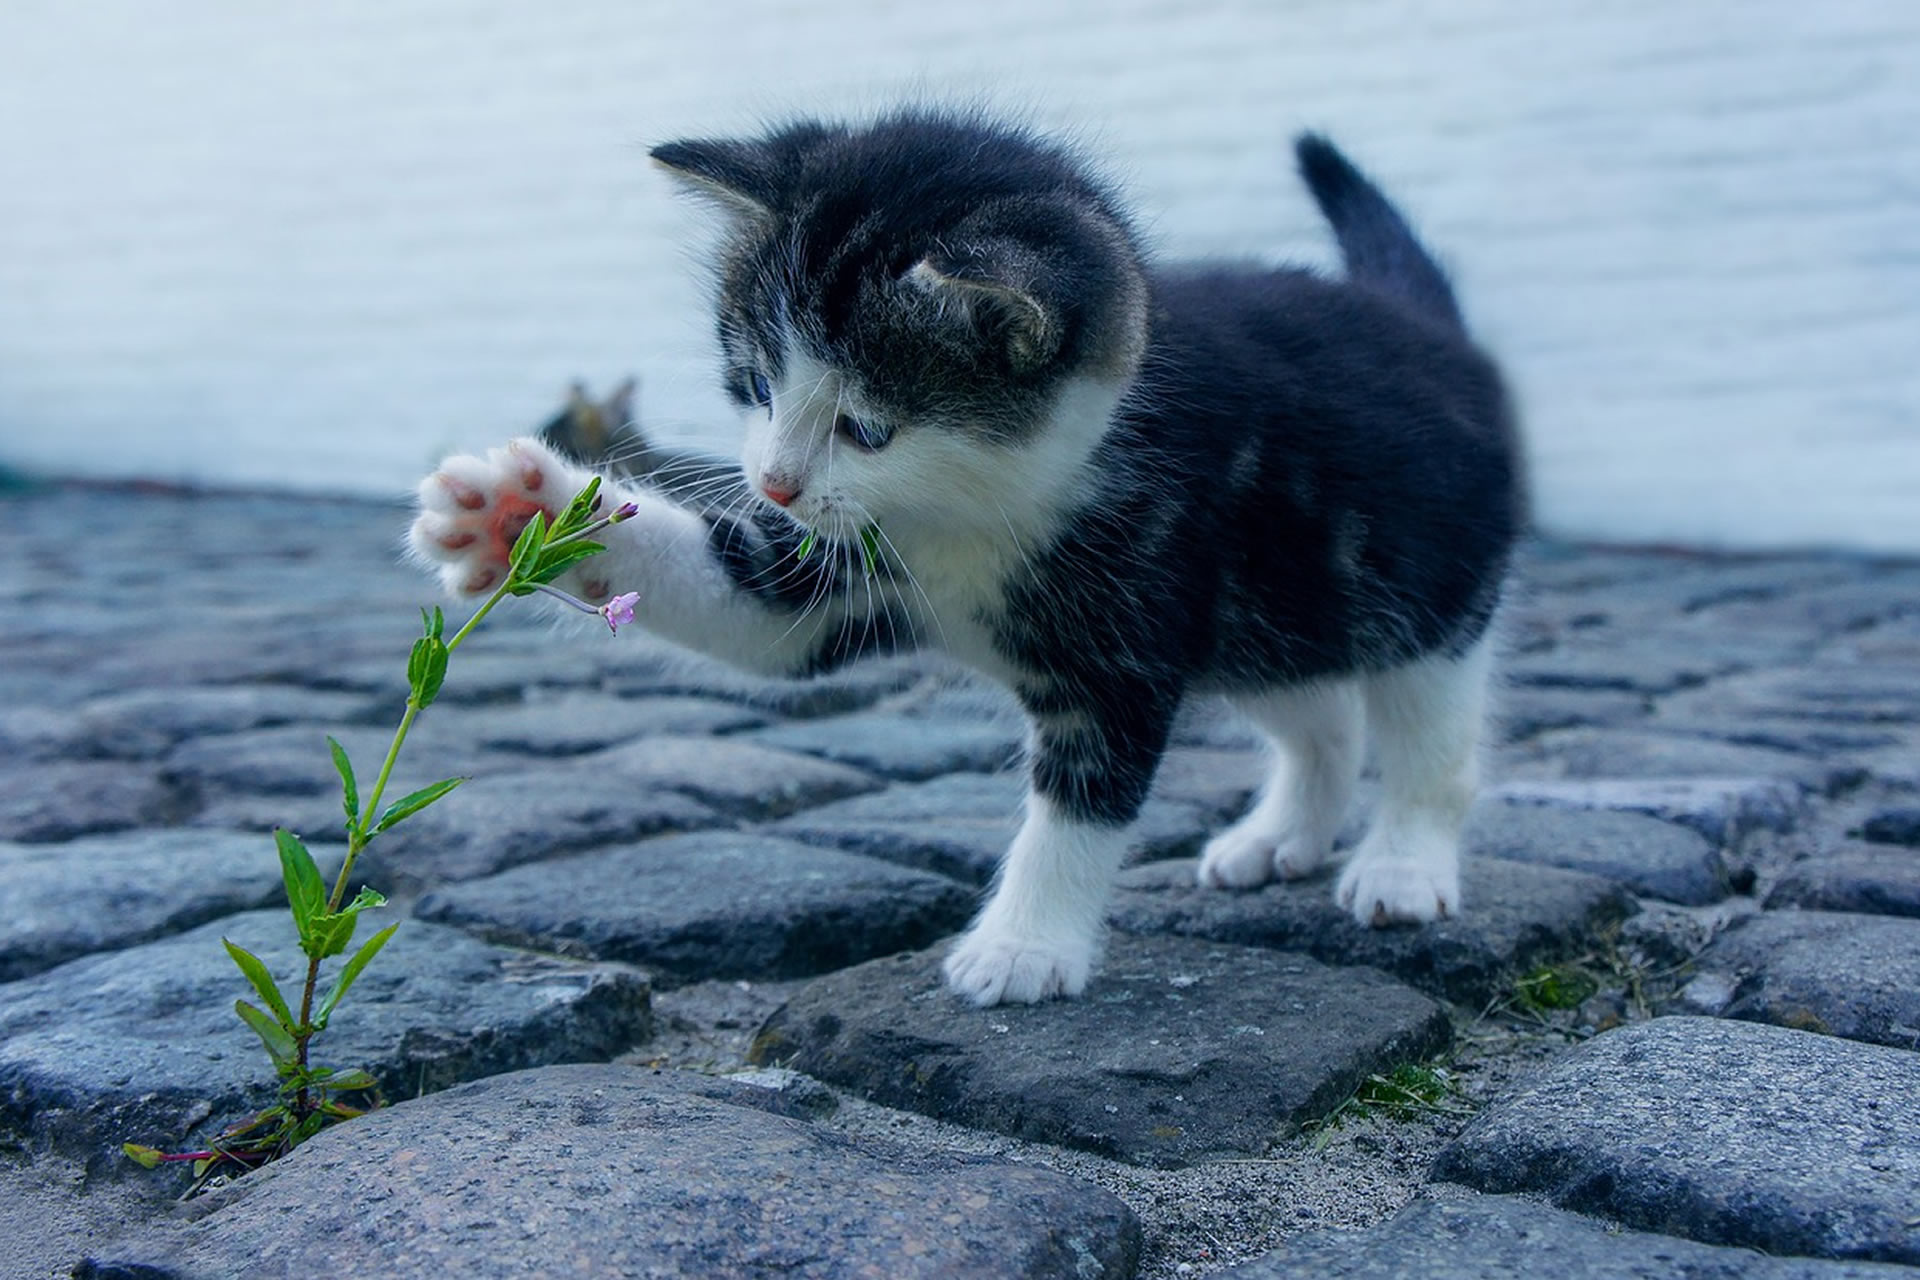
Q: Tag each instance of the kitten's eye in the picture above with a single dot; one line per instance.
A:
(867, 435)
(761, 389)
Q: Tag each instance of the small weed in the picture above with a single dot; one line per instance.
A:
(1409, 1091)
(312, 1097)
(1551, 987)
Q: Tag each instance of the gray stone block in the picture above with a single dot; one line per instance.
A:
(661, 669)
(295, 761)
(1632, 752)
(142, 1045)
(578, 1171)
(960, 824)
(500, 667)
(1724, 810)
(1842, 974)
(1522, 712)
(957, 825)
(1215, 782)
(146, 723)
(1654, 666)
(1893, 826)
(503, 821)
(575, 723)
(1723, 1132)
(900, 746)
(1515, 917)
(1179, 1051)
(716, 904)
(62, 799)
(1877, 879)
(1644, 854)
(102, 893)
(1508, 1238)
(739, 779)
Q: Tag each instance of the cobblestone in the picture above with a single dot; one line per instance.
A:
(1702, 799)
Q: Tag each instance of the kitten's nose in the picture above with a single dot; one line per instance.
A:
(783, 497)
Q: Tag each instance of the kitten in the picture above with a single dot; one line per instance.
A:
(980, 419)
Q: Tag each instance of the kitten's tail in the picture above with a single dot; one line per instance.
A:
(1380, 249)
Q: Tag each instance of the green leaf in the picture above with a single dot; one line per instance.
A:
(870, 548)
(526, 548)
(262, 981)
(560, 559)
(578, 511)
(333, 931)
(280, 1046)
(350, 789)
(349, 1080)
(145, 1157)
(306, 1129)
(306, 895)
(407, 806)
(438, 626)
(351, 970)
(807, 544)
(427, 669)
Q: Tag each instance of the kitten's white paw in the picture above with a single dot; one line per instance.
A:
(1381, 888)
(472, 509)
(991, 966)
(1246, 856)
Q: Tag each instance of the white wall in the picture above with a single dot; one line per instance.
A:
(317, 245)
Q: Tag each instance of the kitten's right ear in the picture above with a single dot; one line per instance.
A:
(735, 175)
(995, 283)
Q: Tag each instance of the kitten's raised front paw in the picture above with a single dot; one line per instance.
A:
(990, 966)
(1381, 888)
(472, 510)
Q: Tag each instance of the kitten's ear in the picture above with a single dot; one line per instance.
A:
(735, 175)
(993, 282)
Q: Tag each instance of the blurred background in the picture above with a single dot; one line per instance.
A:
(315, 247)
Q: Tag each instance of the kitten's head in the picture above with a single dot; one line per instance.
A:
(930, 316)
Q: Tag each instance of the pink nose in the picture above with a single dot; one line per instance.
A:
(784, 497)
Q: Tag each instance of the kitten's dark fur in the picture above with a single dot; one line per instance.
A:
(1110, 485)
(1308, 477)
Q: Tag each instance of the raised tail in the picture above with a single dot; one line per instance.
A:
(1380, 249)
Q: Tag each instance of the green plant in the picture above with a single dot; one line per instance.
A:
(1562, 986)
(310, 1096)
(1410, 1090)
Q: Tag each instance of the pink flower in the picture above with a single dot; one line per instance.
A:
(619, 611)
(627, 511)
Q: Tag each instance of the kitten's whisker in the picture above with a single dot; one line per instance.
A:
(887, 562)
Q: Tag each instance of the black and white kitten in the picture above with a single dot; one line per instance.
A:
(1108, 484)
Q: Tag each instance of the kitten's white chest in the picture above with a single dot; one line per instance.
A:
(955, 587)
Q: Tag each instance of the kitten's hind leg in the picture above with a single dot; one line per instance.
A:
(1317, 742)
(1426, 719)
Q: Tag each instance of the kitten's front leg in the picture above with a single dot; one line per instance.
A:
(1040, 933)
(722, 585)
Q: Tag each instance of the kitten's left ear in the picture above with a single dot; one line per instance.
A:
(995, 282)
(736, 175)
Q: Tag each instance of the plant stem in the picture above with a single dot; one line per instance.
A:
(357, 837)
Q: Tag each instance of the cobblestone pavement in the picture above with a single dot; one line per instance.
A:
(668, 999)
